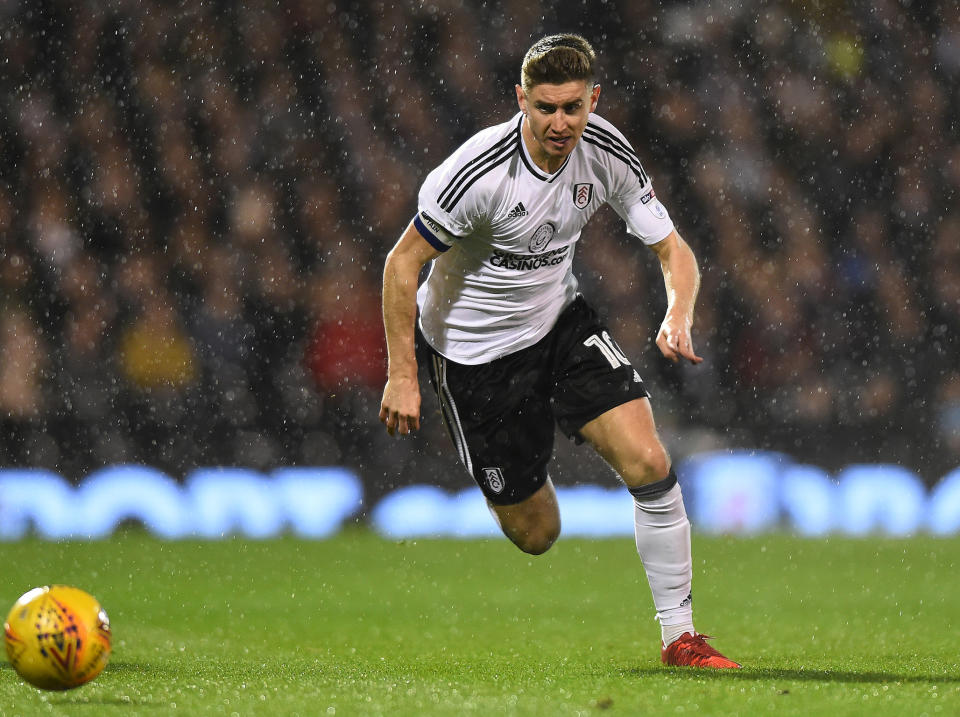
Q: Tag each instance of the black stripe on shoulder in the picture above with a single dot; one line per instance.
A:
(640, 176)
(600, 132)
(617, 147)
(490, 164)
(472, 166)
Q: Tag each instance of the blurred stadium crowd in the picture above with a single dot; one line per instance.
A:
(196, 200)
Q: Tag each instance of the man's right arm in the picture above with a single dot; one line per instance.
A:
(400, 407)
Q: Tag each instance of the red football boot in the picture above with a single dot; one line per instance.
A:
(693, 651)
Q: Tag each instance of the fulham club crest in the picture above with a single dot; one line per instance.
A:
(494, 479)
(582, 194)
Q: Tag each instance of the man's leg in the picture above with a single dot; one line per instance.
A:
(533, 524)
(626, 437)
(503, 430)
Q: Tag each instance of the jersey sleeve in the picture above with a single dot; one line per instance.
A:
(447, 210)
(644, 214)
(631, 190)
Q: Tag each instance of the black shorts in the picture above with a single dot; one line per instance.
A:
(501, 415)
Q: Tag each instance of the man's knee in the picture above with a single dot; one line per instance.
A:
(649, 465)
(536, 540)
(626, 437)
(533, 525)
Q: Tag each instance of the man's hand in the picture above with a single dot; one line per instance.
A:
(681, 278)
(400, 407)
(674, 339)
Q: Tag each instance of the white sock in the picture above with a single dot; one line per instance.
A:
(663, 542)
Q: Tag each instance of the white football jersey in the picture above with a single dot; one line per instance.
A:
(508, 231)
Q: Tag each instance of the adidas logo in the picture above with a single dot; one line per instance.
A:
(517, 211)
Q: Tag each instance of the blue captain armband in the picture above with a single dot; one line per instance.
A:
(436, 236)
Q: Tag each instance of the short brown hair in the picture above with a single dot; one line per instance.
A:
(556, 59)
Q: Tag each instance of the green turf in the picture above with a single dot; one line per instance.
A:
(358, 625)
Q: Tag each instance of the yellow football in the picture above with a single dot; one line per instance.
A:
(57, 637)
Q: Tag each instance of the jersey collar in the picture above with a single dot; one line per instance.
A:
(528, 160)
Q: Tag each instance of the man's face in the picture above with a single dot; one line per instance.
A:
(556, 117)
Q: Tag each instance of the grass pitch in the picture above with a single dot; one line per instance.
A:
(358, 625)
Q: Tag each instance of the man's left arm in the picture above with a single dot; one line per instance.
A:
(681, 277)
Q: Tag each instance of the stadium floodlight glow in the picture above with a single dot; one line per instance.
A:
(882, 498)
(728, 492)
(809, 498)
(944, 512)
(37, 497)
(312, 502)
(147, 495)
(733, 491)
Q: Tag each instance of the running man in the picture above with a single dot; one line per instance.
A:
(513, 349)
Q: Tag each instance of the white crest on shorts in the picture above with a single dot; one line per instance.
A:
(494, 478)
(541, 237)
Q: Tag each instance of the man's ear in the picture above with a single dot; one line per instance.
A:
(522, 99)
(594, 96)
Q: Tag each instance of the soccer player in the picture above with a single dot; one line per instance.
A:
(513, 348)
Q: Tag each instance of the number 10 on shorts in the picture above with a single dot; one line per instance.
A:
(608, 347)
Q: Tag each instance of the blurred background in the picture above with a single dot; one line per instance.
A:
(196, 200)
